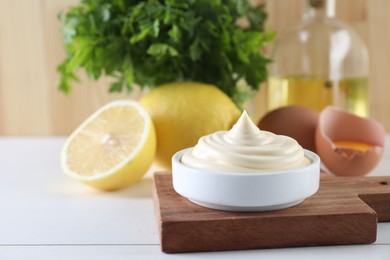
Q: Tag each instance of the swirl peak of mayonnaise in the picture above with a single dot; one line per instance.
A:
(245, 149)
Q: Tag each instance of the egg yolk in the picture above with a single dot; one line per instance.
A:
(355, 145)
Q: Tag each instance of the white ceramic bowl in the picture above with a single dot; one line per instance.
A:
(246, 192)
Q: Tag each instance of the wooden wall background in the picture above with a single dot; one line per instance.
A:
(30, 49)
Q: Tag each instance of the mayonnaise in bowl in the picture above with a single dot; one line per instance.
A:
(246, 169)
(245, 148)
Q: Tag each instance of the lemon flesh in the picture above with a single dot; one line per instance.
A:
(182, 112)
(113, 148)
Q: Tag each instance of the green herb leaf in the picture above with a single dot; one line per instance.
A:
(116, 87)
(159, 50)
(151, 42)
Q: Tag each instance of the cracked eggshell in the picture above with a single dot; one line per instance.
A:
(337, 125)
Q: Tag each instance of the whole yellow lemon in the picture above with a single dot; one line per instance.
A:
(182, 112)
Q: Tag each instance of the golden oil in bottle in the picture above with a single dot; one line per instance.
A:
(350, 94)
(320, 61)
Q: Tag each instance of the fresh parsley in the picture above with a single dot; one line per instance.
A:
(153, 42)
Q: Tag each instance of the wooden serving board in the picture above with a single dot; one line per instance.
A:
(345, 210)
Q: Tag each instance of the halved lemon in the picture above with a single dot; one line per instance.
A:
(113, 148)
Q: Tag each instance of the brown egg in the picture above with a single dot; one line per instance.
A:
(297, 122)
(348, 145)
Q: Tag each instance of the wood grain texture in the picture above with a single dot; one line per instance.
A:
(336, 214)
(30, 50)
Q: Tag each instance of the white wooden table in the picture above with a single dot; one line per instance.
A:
(46, 215)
